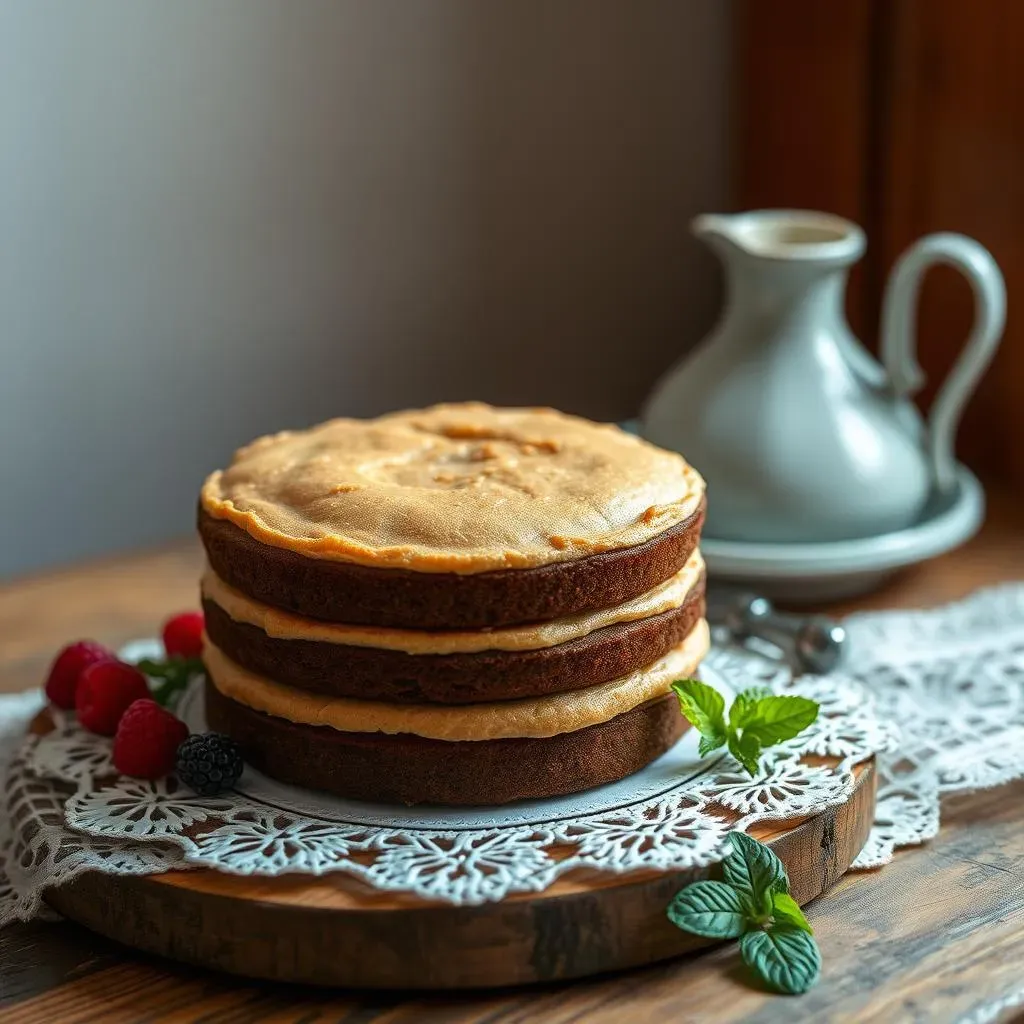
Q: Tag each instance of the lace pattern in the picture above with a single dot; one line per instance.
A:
(953, 675)
(71, 812)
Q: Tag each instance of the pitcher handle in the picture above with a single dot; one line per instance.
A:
(899, 342)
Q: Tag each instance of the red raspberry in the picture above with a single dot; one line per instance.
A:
(68, 668)
(147, 740)
(183, 635)
(104, 693)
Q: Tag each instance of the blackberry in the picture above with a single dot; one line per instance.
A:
(209, 763)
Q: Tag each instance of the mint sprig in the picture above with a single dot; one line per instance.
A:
(753, 904)
(169, 677)
(757, 719)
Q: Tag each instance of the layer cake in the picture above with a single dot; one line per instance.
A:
(460, 605)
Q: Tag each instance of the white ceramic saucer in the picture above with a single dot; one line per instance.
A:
(811, 573)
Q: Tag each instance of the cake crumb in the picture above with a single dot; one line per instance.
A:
(483, 452)
(549, 447)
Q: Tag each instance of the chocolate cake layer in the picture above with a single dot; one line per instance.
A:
(371, 673)
(411, 770)
(344, 592)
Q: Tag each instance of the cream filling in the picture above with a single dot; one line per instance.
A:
(536, 717)
(282, 625)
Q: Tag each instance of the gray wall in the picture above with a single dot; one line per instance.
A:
(222, 217)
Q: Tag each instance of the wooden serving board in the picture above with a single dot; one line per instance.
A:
(335, 930)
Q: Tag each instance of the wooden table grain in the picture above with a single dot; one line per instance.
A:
(938, 935)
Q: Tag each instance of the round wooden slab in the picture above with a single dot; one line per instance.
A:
(336, 930)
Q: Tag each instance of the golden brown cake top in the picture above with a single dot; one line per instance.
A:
(454, 488)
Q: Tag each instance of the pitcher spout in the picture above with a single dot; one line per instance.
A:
(789, 235)
(717, 228)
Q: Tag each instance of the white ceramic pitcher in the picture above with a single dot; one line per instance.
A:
(801, 435)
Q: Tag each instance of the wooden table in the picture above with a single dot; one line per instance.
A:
(935, 936)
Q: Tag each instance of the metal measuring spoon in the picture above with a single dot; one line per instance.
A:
(815, 642)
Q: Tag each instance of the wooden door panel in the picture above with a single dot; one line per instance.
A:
(953, 160)
(803, 112)
(908, 116)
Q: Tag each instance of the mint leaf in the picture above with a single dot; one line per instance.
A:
(784, 956)
(155, 669)
(171, 677)
(786, 910)
(777, 719)
(747, 750)
(171, 668)
(753, 869)
(704, 708)
(712, 909)
(744, 704)
(709, 743)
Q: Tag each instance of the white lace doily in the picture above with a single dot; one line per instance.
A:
(955, 676)
(956, 673)
(70, 812)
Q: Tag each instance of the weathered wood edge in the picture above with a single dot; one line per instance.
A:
(539, 939)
